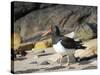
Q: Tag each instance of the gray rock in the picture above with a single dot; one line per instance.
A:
(86, 31)
(66, 16)
(44, 63)
(90, 67)
(34, 62)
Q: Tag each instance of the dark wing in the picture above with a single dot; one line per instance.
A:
(70, 43)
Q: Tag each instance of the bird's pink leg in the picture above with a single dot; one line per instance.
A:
(67, 63)
(61, 60)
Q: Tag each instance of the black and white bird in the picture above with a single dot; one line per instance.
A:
(61, 43)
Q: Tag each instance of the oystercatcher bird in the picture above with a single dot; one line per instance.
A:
(61, 43)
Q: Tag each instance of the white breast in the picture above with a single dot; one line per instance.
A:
(59, 48)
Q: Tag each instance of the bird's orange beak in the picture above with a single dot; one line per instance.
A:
(46, 33)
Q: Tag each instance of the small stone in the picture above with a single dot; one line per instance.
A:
(43, 51)
(41, 45)
(45, 63)
(34, 62)
(90, 67)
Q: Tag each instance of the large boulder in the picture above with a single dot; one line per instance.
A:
(86, 31)
(68, 17)
(91, 50)
(15, 40)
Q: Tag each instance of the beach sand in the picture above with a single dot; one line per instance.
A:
(46, 61)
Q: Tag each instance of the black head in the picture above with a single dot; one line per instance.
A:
(55, 30)
(56, 35)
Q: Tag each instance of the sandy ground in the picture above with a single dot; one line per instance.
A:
(47, 61)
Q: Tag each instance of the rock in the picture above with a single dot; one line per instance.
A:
(15, 40)
(90, 51)
(90, 67)
(66, 16)
(23, 8)
(92, 19)
(45, 63)
(15, 44)
(84, 62)
(34, 62)
(85, 32)
(41, 45)
(86, 53)
(38, 51)
(78, 53)
(49, 42)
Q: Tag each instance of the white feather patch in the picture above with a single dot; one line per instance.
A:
(70, 35)
(59, 48)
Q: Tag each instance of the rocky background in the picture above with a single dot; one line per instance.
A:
(31, 18)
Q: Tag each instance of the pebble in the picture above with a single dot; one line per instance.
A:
(45, 63)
